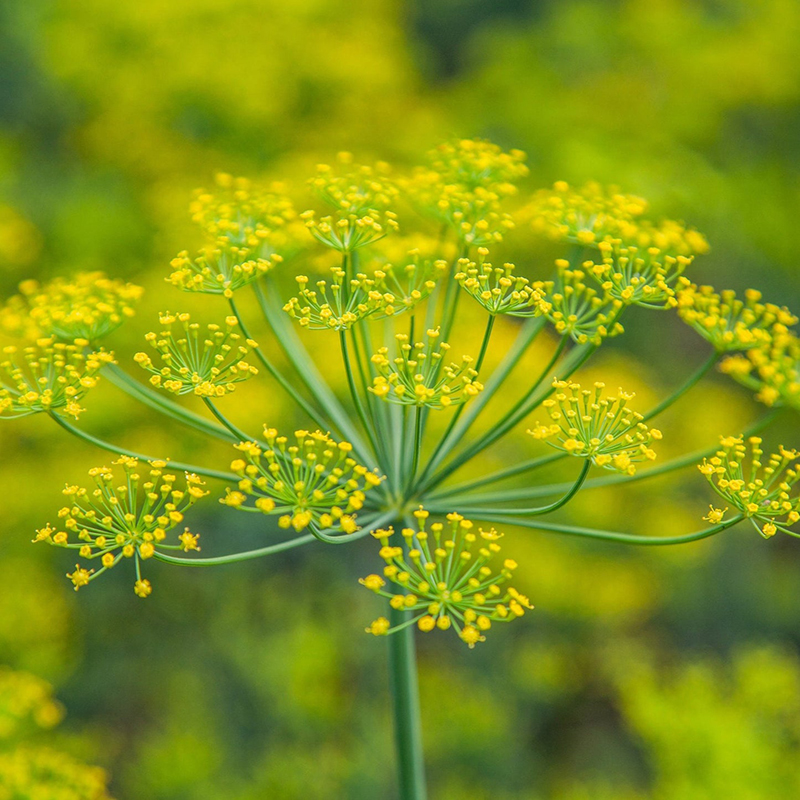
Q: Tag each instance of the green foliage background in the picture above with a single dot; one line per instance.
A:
(641, 674)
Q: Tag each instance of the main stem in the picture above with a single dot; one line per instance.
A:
(405, 705)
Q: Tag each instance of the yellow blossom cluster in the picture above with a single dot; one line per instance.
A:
(728, 322)
(41, 772)
(418, 376)
(497, 289)
(313, 482)
(206, 361)
(344, 301)
(26, 699)
(450, 577)
(604, 429)
(221, 267)
(127, 520)
(577, 309)
(48, 376)
(88, 306)
(463, 187)
(593, 214)
(258, 220)
(758, 488)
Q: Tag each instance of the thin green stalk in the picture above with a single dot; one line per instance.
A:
(238, 432)
(693, 379)
(156, 401)
(417, 448)
(487, 335)
(355, 395)
(615, 536)
(404, 688)
(309, 409)
(112, 448)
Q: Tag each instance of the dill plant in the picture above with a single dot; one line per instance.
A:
(399, 261)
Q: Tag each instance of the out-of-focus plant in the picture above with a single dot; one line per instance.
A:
(381, 460)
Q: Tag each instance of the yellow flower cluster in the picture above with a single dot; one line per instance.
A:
(39, 772)
(577, 309)
(463, 187)
(594, 214)
(360, 195)
(313, 482)
(48, 376)
(346, 301)
(221, 267)
(207, 362)
(761, 491)
(588, 425)
(638, 276)
(771, 370)
(419, 377)
(497, 289)
(450, 578)
(26, 699)
(88, 306)
(129, 520)
(728, 322)
(258, 220)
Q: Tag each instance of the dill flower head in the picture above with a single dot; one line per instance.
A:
(760, 489)
(728, 322)
(128, 520)
(311, 480)
(25, 699)
(577, 309)
(450, 576)
(343, 301)
(588, 425)
(220, 268)
(88, 306)
(360, 197)
(772, 370)
(257, 218)
(638, 276)
(48, 376)
(474, 163)
(497, 289)
(205, 361)
(417, 376)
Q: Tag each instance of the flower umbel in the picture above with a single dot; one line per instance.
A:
(418, 376)
(48, 376)
(604, 429)
(497, 289)
(450, 577)
(129, 520)
(759, 489)
(207, 362)
(313, 482)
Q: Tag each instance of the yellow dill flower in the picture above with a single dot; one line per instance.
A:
(638, 276)
(588, 425)
(41, 772)
(417, 376)
(258, 220)
(313, 482)
(127, 520)
(497, 289)
(88, 306)
(727, 322)
(575, 308)
(451, 576)
(26, 699)
(477, 162)
(772, 370)
(220, 268)
(205, 361)
(48, 376)
(759, 489)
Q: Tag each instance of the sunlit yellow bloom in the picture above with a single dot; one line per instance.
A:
(418, 376)
(588, 425)
(205, 361)
(497, 289)
(88, 306)
(129, 520)
(312, 482)
(48, 376)
(761, 490)
(450, 576)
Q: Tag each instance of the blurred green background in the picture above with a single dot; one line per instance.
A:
(641, 674)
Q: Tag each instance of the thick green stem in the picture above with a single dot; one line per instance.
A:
(404, 690)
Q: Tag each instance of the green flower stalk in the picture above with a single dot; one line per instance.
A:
(380, 452)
